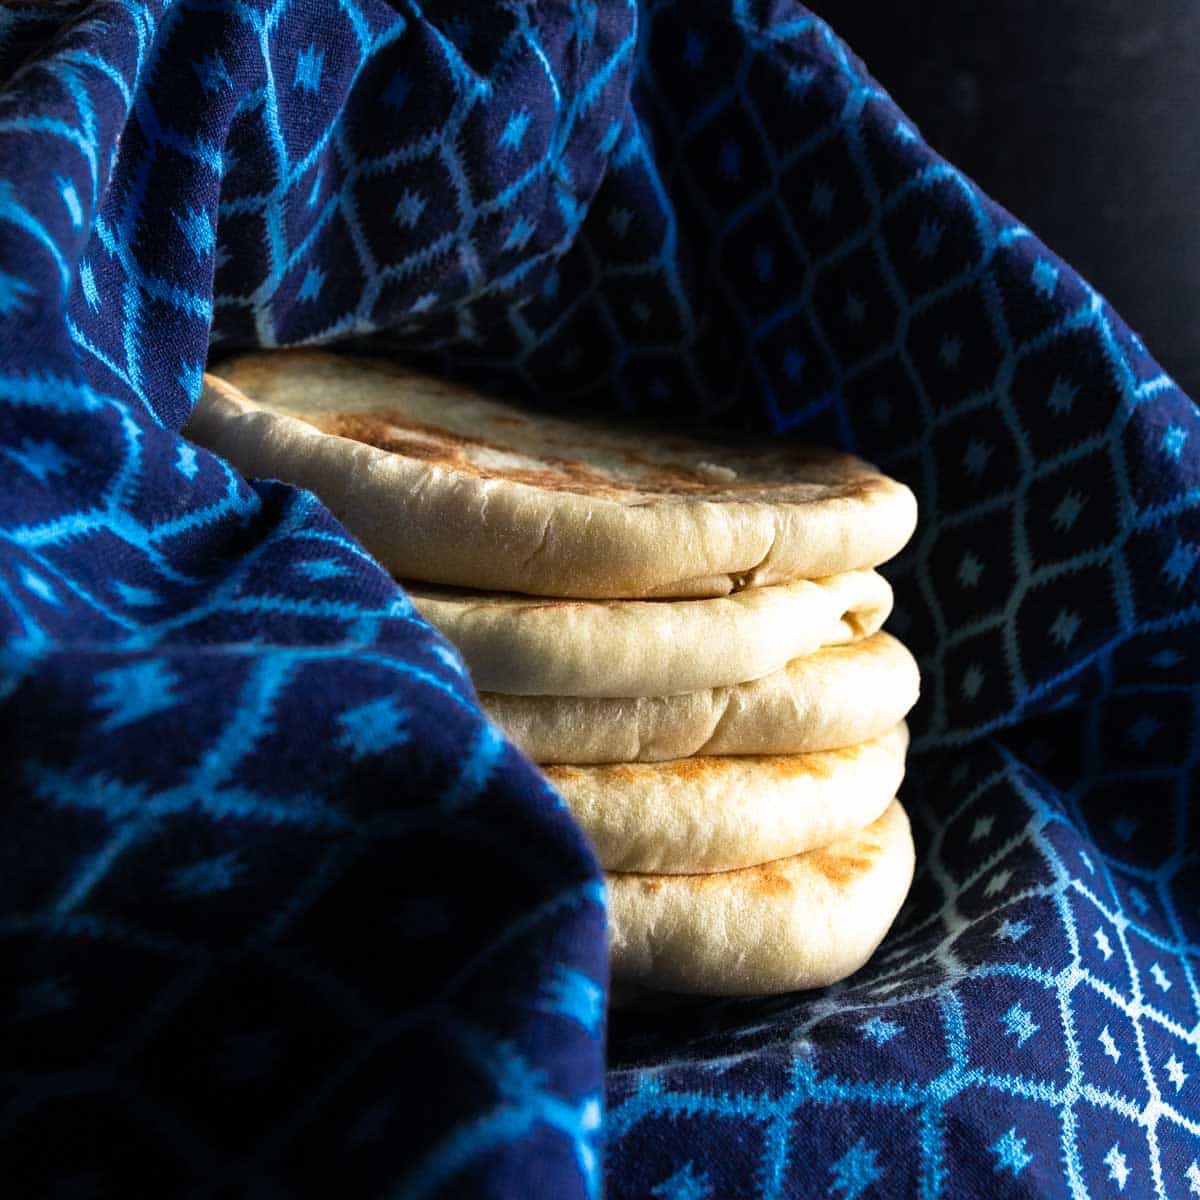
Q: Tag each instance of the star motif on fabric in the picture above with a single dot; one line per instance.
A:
(40, 459)
(855, 309)
(12, 294)
(1086, 859)
(1173, 440)
(373, 727)
(929, 238)
(1175, 1072)
(969, 570)
(975, 457)
(1066, 626)
(52, 994)
(764, 263)
(190, 377)
(1013, 931)
(409, 208)
(309, 63)
(693, 49)
(1103, 944)
(372, 1123)
(950, 354)
(1192, 1175)
(87, 282)
(729, 160)
(855, 1171)
(514, 130)
(880, 1031)
(574, 995)
(521, 230)
(823, 196)
(185, 460)
(1160, 977)
(619, 221)
(1118, 1170)
(212, 72)
(998, 883)
(207, 876)
(793, 364)
(973, 679)
(1125, 826)
(799, 81)
(1045, 277)
(684, 1184)
(1067, 513)
(982, 827)
(311, 286)
(129, 694)
(1018, 1022)
(138, 597)
(397, 90)
(1011, 1153)
(198, 231)
(1143, 729)
(1164, 660)
(1062, 396)
(1110, 1047)
(1179, 565)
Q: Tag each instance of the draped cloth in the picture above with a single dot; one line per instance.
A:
(281, 911)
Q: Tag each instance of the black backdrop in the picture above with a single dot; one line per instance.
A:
(1081, 118)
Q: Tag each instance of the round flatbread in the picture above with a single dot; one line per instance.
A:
(796, 923)
(837, 696)
(695, 815)
(443, 484)
(535, 646)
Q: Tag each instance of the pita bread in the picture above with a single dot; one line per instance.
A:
(721, 814)
(442, 484)
(800, 922)
(535, 646)
(837, 696)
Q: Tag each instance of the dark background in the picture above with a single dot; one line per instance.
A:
(1080, 118)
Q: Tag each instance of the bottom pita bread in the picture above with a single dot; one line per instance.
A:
(799, 922)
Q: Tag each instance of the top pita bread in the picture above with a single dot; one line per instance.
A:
(446, 486)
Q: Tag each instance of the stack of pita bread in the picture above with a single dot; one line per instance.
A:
(686, 635)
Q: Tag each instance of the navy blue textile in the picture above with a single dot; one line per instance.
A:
(280, 909)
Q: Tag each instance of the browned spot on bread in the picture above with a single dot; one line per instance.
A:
(858, 488)
(822, 763)
(388, 429)
(805, 474)
(650, 883)
(680, 768)
(768, 880)
(841, 866)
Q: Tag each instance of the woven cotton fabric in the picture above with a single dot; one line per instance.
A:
(281, 912)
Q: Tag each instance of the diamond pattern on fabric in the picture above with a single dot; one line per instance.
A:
(246, 782)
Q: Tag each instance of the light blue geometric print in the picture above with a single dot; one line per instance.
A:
(248, 782)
